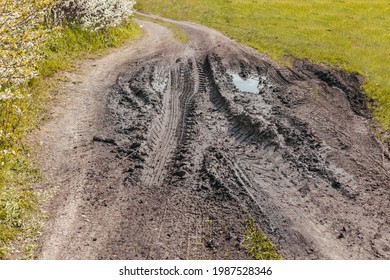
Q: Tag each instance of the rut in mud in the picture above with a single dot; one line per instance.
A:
(173, 157)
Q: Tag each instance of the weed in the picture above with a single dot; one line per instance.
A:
(257, 244)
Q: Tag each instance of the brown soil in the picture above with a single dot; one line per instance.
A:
(157, 155)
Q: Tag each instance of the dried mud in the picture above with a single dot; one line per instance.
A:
(167, 158)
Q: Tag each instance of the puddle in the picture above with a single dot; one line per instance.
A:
(251, 84)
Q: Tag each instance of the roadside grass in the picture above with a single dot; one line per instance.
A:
(75, 43)
(178, 33)
(21, 217)
(257, 244)
(353, 35)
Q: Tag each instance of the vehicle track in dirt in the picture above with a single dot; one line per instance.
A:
(158, 155)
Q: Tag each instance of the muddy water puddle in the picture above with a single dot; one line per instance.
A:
(252, 84)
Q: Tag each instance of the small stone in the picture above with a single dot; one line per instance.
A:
(229, 236)
(211, 244)
(104, 140)
(181, 173)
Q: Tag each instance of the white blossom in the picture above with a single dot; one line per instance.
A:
(25, 27)
(21, 37)
(94, 14)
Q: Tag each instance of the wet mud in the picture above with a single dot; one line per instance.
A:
(180, 155)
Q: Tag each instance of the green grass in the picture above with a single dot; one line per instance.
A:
(257, 244)
(20, 213)
(76, 43)
(18, 204)
(178, 33)
(353, 35)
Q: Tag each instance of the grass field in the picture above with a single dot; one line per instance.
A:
(350, 34)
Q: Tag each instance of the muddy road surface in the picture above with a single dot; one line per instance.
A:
(162, 150)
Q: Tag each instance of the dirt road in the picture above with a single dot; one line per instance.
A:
(159, 153)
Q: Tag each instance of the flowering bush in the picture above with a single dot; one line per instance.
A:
(94, 14)
(25, 26)
(22, 34)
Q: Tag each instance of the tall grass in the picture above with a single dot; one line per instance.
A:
(353, 35)
(20, 215)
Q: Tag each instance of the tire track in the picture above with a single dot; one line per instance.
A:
(177, 101)
(164, 144)
(189, 156)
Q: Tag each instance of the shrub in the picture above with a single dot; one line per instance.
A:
(93, 14)
(22, 33)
